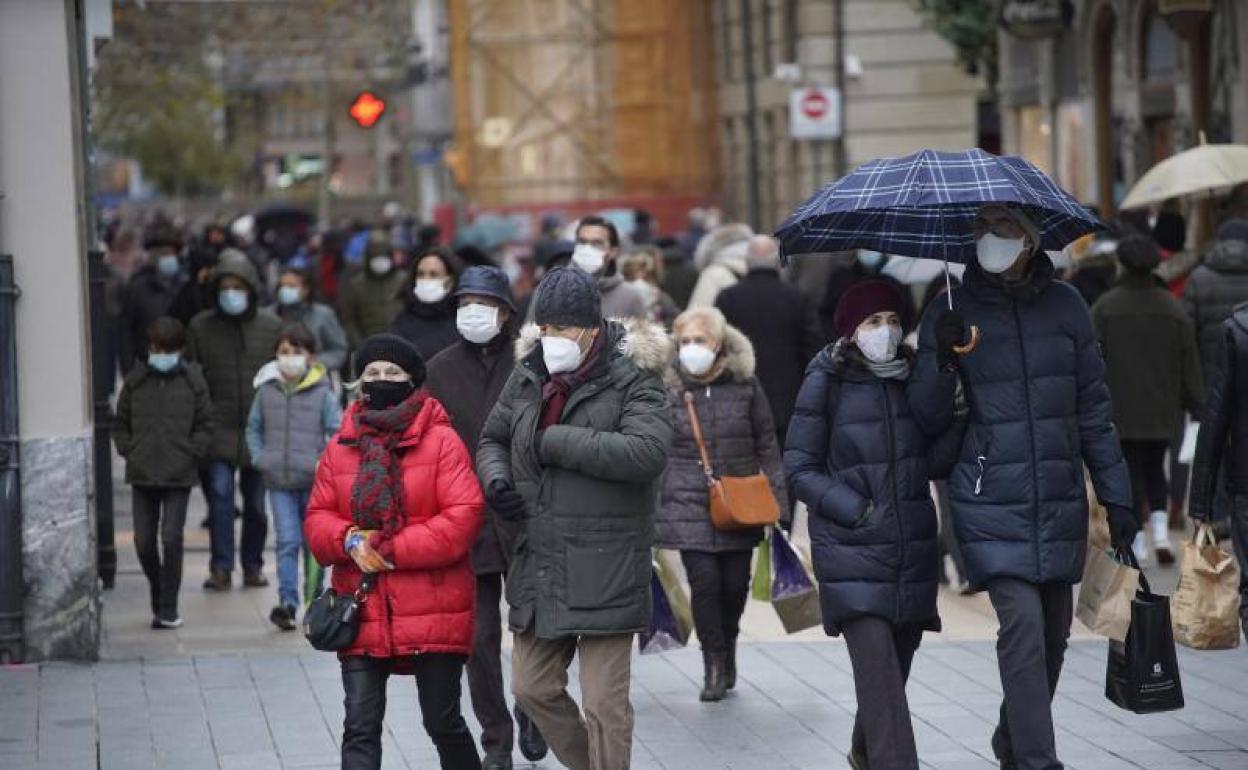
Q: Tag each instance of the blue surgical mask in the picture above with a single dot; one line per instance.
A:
(168, 265)
(289, 295)
(870, 259)
(232, 301)
(163, 362)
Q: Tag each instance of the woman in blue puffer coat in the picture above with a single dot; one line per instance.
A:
(1039, 411)
(856, 457)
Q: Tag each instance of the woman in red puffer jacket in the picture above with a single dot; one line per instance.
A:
(396, 494)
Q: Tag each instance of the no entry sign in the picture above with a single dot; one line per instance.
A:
(814, 113)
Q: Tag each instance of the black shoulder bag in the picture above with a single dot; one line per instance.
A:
(332, 620)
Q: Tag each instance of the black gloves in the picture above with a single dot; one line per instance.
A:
(1123, 525)
(506, 501)
(950, 331)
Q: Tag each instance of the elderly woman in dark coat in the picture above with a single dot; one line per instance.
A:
(857, 459)
(716, 366)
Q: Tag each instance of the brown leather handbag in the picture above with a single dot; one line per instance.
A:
(737, 502)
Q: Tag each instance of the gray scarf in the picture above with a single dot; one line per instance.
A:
(897, 369)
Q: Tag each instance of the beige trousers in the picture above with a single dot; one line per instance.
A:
(603, 739)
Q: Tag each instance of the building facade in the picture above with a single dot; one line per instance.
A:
(904, 91)
(1123, 86)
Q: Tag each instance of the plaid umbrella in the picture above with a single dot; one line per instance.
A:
(924, 205)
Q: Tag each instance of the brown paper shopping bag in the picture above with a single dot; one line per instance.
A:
(1098, 520)
(1105, 594)
(1205, 606)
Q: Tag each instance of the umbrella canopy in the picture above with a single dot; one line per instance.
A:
(924, 205)
(1205, 170)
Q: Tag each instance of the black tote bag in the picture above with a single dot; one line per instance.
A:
(1142, 674)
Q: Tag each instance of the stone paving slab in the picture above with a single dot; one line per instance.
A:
(793, 709)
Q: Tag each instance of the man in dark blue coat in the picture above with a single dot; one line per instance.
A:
(1039, 412)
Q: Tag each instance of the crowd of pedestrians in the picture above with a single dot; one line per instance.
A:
(449, 429)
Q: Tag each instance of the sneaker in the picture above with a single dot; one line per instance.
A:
(1159, 522)
(254, 578)
(1140, 548)
(165, 624)
(218, 580)
(532, 744)
(283, 617)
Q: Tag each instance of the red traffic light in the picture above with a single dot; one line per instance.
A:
(367, 109)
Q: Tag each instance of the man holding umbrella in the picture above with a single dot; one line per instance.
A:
(1040, 411)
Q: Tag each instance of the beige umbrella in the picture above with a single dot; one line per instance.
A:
(1205, 170)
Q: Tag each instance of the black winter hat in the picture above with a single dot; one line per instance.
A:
(486, 281)
(568, 296)
(1138, 254)
(1233, 230)
(396, 350)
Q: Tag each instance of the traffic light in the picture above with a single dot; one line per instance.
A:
(366, 109)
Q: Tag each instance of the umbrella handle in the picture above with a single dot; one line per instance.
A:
(971, 344)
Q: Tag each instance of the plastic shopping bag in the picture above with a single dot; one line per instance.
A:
(793, 592)
(671, 619)
(1206, 603)
(1105, 594)
(1142, 673)
(760, 584)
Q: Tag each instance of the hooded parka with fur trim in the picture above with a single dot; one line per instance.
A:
(582, 562)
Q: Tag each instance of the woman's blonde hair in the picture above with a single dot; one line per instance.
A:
(710, 318)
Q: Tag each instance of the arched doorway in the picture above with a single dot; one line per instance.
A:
(1102, 60)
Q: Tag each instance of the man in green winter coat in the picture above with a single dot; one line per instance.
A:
(230, 342)
(575, 448)
(374, 296)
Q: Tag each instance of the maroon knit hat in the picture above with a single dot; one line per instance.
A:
(863, 300)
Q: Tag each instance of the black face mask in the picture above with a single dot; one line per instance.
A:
(383, 394)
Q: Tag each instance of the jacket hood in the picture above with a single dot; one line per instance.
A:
(726, 243)
(645, 343)
(1228, 257)
(738, 362)
(430, 415)
(270, 373)
(236, 263)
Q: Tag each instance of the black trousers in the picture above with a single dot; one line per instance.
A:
(485, 671)
(159, 516)
(437, 687)
(1031, 645)
(881, 654)
(1146, 460)
(719, 584)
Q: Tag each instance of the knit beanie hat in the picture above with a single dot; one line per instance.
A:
(1138, 254)
(568, 297)
(1233, 230)
(396, 350)
(861, 301)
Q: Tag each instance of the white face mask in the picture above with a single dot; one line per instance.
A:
(477, 323)
(589, 258)
(697, 359)
(996, 254)
(561, 354)
(292, 366)
(430, 290)
(380, 265)
(879, 345)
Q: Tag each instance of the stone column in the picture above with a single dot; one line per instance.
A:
(42, 225)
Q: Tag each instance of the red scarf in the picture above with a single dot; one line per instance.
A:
(557, 390)
(377, 494)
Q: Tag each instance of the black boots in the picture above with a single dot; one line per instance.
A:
(715, 684)
(730, 666)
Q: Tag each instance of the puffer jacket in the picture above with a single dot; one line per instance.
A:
(740, 439)
(426, 603)
(582, 563)
(163, 426)
(855, 455)
(148, 296)
(429, 327)
(288, 427)
(230, 350)
(1153, 367)
(1039, 410)
(1213, 290)
(370, 303)
(1224, 429)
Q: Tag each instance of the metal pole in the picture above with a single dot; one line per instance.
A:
(12, 643)
(327, 147)
(839, 162)
(751, 122)
(101, 389)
